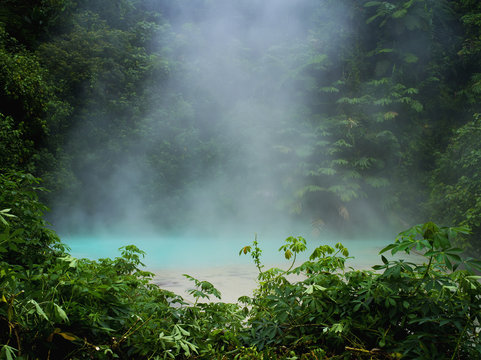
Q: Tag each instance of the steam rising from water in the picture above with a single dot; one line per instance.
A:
(232, 60)
(208, 157)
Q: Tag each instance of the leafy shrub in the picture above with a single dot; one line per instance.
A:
(54, 306)
(26, 237)
(402, 309)
(456, 183)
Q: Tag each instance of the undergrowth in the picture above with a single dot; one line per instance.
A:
(55, 306)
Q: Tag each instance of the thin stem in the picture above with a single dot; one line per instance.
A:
(293, 261)
(425, 275)
(458, 343)
(428, 267)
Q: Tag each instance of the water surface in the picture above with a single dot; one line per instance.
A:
(167, 252)
(215, 259)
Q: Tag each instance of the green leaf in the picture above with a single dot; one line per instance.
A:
(340, 162)
(454, 257)
(473, 264)
(417, 106)
(60, 313)
(9, 352)
(377, 182)
(372, 3)
(72, 262)
(399, 13)
(387, 50)
(329, 89)
(410, 59)
(245, 250)
(387, 248)
(38, 309)
(372, 18)
(309, 289)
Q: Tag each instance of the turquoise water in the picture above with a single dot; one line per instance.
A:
(163, 252)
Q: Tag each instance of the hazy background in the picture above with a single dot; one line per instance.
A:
(223, 144)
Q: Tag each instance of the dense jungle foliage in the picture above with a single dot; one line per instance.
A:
(54, 306)
(382, 104)
(386, 101)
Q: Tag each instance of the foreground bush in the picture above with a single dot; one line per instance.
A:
(415, 310)
(54, 306)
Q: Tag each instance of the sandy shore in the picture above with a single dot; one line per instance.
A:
(237, 280)
(232, 281)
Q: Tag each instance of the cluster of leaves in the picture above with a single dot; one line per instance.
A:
(369, 103)
(29, 105)
(379, 86)
(456, 183)
(55, 306)
(425, 308)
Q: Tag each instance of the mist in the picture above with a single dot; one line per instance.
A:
(221, 146)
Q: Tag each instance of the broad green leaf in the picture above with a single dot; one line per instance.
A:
(60, 312)
(387, 248)
(9, 352)
(38, 309)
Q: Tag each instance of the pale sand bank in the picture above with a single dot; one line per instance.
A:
(232, 281)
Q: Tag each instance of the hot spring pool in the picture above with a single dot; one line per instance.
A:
(164, 252)
(213, 259)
